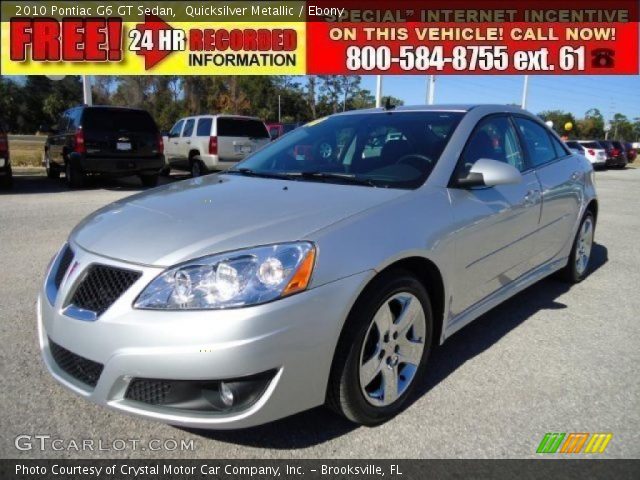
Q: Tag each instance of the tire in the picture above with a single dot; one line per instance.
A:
(574, 271)
(52, 172)
(198, 168)
(361, 397)
(149, 180)
(6, 180)
(166, 172)
(75, 178)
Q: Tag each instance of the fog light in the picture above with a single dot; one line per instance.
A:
(226, 395)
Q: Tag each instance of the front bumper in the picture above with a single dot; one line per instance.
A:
(294, 337)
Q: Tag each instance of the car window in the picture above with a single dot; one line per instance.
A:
(537, 141)
(188, 127)
(493, 138)
(397, 150)
(558, 147)
(241, 127)
(74, 119)
(591, 145)
(177, 128)
(63, 121)
(274, 132)
(118, 119)
(204, 127)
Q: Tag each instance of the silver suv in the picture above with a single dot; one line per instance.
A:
(323, 269)
(203, 143)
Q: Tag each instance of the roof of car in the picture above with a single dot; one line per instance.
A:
(437, 108)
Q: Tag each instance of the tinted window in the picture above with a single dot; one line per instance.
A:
(496, 139)
(537, 141)
(591, 145)
(575, 145)
(204, 127)
(118, 119)
(74, 119)
(188, 128)
(240, 127)
(63, 122)
(274, 132)
(559, 148)
(397, 150)
(177, 128)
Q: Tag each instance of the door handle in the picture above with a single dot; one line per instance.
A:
(189, 142)
(532, 197)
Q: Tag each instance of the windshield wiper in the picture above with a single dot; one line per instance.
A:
(343, 177)
(252, 173)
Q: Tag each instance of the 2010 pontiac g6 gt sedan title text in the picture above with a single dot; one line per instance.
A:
(322, 269)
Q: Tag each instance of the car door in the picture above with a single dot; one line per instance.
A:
(57, 138)
(171, 149)
(561, 176)
(185, 142)
(495, 224)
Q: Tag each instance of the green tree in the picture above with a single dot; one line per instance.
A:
(560, 119)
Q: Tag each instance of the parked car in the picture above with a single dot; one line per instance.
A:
(590, 149)
(276, 130)
(198, 144)
(322, 276)
(632, 152)
(615, 156)
(100, 140)
(6, 174)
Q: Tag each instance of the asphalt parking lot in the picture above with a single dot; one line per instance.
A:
(552, 359)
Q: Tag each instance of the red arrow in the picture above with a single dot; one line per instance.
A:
(154, 55)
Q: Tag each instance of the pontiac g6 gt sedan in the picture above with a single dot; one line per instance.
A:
(323, 269)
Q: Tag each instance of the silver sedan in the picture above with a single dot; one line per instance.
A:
(323, 269)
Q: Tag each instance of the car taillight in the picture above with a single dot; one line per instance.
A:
(4, 145)
(591, 152)
(79, 146)
(160, 143)
(213, 145)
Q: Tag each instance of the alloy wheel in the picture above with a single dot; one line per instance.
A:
(584, 243)
(392, 349)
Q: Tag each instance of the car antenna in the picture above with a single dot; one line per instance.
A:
(388, 105)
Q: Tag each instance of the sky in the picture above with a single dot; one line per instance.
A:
(575, 94)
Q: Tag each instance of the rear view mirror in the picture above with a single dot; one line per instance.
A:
(489, 173)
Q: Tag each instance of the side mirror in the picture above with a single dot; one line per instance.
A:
(489, 173)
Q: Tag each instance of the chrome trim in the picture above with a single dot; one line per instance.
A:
(80, 313)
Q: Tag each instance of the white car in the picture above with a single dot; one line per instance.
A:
(200, 143)
(591, 149)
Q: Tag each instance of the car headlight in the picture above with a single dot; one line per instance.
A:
(234, 279)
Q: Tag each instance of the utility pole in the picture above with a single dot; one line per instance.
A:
(279, 110)
(525, 91)
(86, 90)
(378, 91)
(431, 89)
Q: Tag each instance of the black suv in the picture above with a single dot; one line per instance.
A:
(616, 156)
(114, 141)
(6, 178)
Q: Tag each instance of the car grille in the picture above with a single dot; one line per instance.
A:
(82, 369)
(102, 286)
(153, 392)
(65, 261)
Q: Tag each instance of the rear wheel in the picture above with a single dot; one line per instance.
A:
(198, 168)
(74, 176)
(6, 180)
(149, 180)
(578, 265)
(52, 171)
(383, 350)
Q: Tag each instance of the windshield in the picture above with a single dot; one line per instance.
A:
(391, 149)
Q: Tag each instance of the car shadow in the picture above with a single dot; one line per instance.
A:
(320, 425)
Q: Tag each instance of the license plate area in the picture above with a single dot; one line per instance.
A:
(243, 149)
(123, 146)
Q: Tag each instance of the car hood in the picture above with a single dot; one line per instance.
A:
(218, 213)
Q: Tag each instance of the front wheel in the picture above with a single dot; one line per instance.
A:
(383, 350)
(578, 265)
